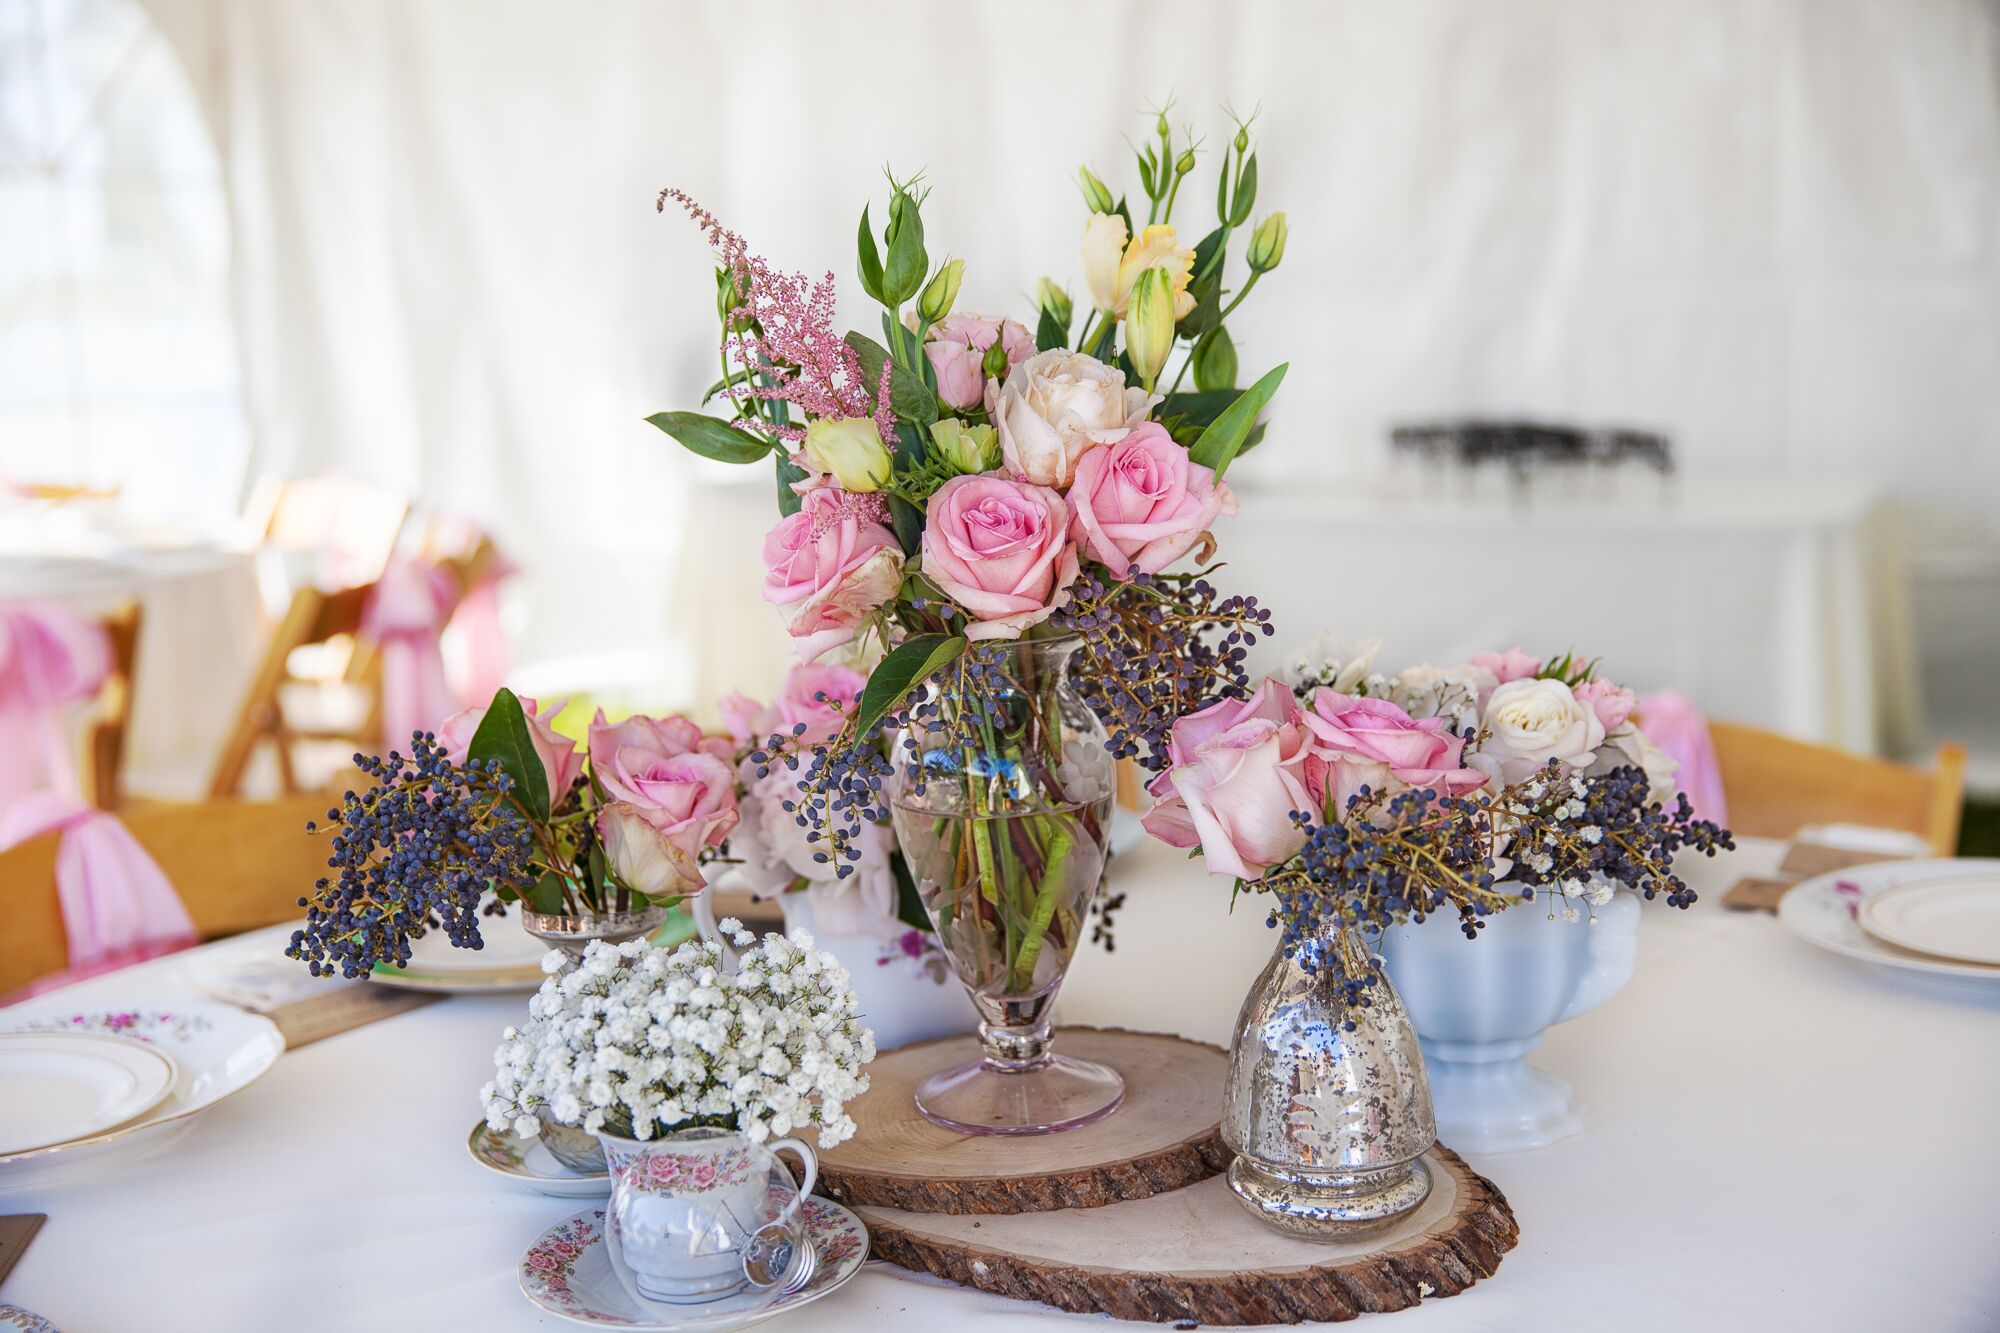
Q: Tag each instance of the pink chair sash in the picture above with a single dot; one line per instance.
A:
(405, 616)
(117, 905)
(1671, 721)
(475, 647)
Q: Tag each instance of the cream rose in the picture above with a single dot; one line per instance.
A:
(1057, 404)
(1530, 722)
(1629, 747)
(1452, 693)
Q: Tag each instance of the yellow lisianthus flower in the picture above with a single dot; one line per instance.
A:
(1111, 266)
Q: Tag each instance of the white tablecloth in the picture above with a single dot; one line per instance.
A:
(199, 635)
(1775, 1139)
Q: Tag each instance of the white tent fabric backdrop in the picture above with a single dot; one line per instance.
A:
(1771, 229)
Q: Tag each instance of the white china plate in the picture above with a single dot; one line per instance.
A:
(1823, 910)
(71, 1085)
(529, 1162)
(217, 1050)
(1956, 918)
(568, 1272)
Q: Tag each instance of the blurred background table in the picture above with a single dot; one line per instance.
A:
(1750, 1106)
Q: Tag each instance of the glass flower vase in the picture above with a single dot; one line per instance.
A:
(1002, 803)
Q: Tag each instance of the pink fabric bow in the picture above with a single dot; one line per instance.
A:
(475, 648)
(117, 905)
(1671, 721)
(405, 615)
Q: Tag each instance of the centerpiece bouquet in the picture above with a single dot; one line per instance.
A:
(984, 515)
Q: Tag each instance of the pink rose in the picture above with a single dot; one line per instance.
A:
(1612, 703)
(747, 721)
(1510, 665)
(560, 761)
(622, 754)
(1369, 740)
(829, 566)
(685, 803)
(1141, 501)
(1238, 769)
(809, 697)
(957, 348)
(999, 548)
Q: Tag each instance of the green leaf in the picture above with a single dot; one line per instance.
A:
(1246, 193)
(1208, 254)
(503, 735)
(1225, 435)
(1206, 316)
(711, 437)
(909, 904)
(545, 895)
(904, 273)
(1106, 341)
(917, 660)
(871, 259)
(1048, 333)
(908, 523)
(908, 397)
(733, 377)
(789, 500)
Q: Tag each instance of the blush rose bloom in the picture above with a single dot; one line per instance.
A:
(1372, 740)
(1511, 665)
(1141, 501)
(646, 858)
(1613, 704)
(956, 346)
(828, 566)
(560, 761)
(1530, 722)
(622, 753)
(1001, 550)
(807, 698)
(1054, 406)
(689, 799)
(1237, 769)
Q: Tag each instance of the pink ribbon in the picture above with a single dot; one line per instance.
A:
(475, 647)
(1671, 721)
(405, 616)
(117, 906)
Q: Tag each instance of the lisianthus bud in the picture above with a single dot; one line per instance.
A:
(941, 292)
(851, 449)
(969, 449)
(1215, 360)
(1055, 300)
(994, 364)
(1267, 244)
(1184, 163)
(1243, 139)
(1094, 192)
(728, 294)
(1149, 323)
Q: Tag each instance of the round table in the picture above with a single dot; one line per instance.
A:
(1775, 1138)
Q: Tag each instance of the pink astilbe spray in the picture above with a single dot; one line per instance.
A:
(784, 332)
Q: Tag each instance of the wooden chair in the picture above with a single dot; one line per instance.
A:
(1777, 785)
(237, 865)
(104, 740)
(348, 527)
(313, 618)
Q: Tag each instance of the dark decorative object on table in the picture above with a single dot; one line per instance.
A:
(1523, 446)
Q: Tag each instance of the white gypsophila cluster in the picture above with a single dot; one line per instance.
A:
(640, 1041)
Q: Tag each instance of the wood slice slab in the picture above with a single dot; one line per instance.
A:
(1165, 1135)
(1197, 1255)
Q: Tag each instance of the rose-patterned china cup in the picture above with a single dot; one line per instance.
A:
(704, 1214)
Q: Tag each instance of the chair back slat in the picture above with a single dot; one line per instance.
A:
(1777, 785)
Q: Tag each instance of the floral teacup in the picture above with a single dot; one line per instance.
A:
(703, 1214)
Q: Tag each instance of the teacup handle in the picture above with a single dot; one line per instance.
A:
(807, 1158)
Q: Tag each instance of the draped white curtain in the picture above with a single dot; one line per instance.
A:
(1766, 226)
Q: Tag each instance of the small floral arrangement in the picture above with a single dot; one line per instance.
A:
(637, 1041)
(1359, 799)
(972, 480)
(496, 806)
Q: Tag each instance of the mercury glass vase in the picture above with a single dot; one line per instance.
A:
(1329, 1126)
(1002, 803)
(573, 932)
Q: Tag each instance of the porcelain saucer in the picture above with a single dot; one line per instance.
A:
(567, 1272)
(529, 1162)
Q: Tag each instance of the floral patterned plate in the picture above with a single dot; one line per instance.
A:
(217, 1051)
(529, 1162)
(567, 1271)
(1823, 911)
